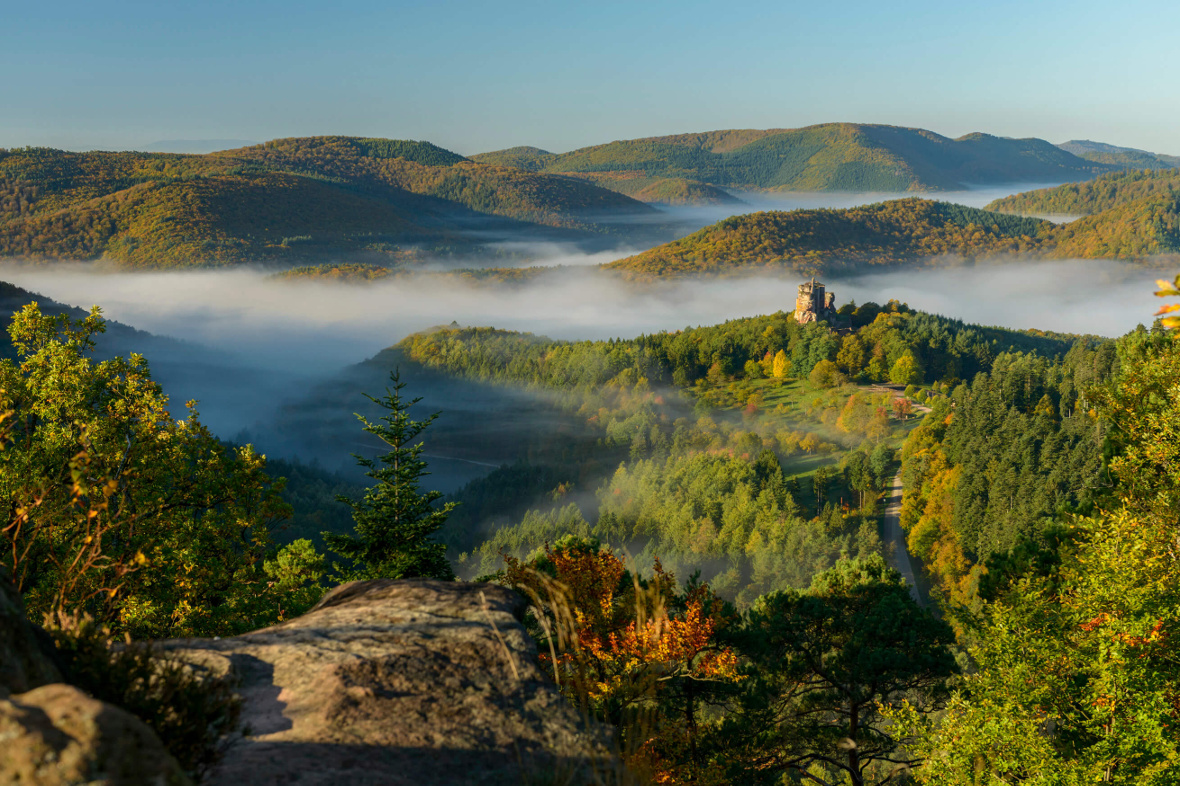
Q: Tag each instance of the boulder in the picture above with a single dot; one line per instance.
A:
(26, 661)
(57, 735)
(400, 682)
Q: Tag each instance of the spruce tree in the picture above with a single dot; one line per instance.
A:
(396, 519)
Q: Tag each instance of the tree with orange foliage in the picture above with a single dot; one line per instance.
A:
(632, 651)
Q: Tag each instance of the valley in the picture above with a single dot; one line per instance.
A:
(589, 394)
(625, 390)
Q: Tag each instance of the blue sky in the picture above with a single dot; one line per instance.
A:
(476, 76)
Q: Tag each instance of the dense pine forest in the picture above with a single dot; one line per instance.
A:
(697, 519)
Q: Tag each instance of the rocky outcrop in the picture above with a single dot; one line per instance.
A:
(399, 682)
(53, 734)
(25, 654)
(56, 735)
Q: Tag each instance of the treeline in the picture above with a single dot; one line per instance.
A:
(941, 349)
(1135, 230)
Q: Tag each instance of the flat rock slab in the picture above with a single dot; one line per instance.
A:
(399, 682)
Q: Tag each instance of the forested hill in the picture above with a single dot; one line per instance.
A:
(903, 231)
(1119, 156)
(829, 157)
(811, 241)
(290, 200)
(948, 349)
(116, 339)
(1094, 196)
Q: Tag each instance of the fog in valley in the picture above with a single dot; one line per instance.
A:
(276, 361)
(695, 217)
(254, 345)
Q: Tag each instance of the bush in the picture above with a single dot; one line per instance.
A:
(826, 375)
(192, 713)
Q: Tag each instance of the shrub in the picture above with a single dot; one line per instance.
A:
(192, 713)
(826, 375)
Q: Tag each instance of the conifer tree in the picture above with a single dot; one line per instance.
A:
(395, 520)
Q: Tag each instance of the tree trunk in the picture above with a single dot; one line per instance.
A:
(853, 751)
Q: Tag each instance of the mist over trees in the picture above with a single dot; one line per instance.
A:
(716, 588)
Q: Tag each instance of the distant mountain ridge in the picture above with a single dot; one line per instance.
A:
(827, 157)
(290, 201)
(194, 146)
(1128, 157)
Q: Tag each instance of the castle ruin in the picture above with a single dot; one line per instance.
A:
(813, 304)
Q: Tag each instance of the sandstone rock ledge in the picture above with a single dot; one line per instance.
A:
(56, 735)
(399, 682)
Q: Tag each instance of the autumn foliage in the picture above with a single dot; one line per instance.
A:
(633, 652)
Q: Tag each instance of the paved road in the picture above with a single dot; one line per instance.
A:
(894, 534)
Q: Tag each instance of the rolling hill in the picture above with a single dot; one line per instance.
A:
(812, 241)
(1093, 196)
(904, 231)
(292, 201)
(829, 157)
(1129, 157)
(1132, 230)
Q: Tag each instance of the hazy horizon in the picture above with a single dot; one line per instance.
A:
(111, 76)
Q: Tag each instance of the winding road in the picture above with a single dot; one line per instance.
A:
(899, 558)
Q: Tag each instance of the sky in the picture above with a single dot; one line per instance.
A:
(473, 75)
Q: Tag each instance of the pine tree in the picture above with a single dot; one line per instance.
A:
(395, 519)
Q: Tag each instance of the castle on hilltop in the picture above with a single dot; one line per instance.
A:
(813, 304)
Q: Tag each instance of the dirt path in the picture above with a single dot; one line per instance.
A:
(896, 392)
(895, 536)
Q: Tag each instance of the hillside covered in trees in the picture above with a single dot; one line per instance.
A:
(1093, 196)
(811, 241)
(652, 426)
(901, 231)
(287, 201)
(828, 157)
(703, 556)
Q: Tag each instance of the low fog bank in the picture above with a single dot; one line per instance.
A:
(693, 217)
(275, 340)
(1098, 297)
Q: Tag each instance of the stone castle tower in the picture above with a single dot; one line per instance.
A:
(813, 303)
